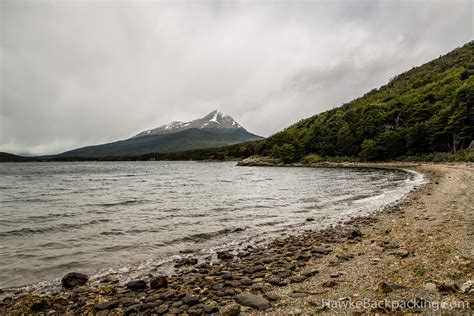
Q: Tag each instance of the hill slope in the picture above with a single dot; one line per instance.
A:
(426, 109)
(7, 157)
(184, 140)
(213, 130)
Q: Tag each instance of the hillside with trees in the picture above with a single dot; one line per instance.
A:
(425, 110)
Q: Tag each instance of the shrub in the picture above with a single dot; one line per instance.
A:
(285, 152)
(312, 158)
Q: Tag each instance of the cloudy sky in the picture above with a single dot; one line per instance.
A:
(77, 73)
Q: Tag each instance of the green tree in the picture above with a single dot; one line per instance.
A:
(371, 122)
(368, 150)
(346, 142)
(460, 127)
(389, 144)
(285, 152)
(417, 139)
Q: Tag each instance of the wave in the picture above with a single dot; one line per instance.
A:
(127, 202)
(31, 200)
(270, 223)
(45, 217)
(51, 229)
(145, 230)
(113, 233)
(206, 236)
(118, 248)
(50, 215)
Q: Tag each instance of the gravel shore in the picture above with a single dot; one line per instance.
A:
(416, 256)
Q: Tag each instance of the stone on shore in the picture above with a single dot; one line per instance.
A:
(159, 282)
(430, 286)
(251, 300)
(298, 295)
(106, 305)
(468, 287)
(384, 287)
(271, 297)
(448, 287)
(355, 233)
(136, 285)
(319, 250)
(329, 283)
(310, 273)
(402, 253)
(297, 279)
(185, 262)
(40, 306)
(208, 309)
(74, 279)
(233, 310)
(225, 255)
(190, 300)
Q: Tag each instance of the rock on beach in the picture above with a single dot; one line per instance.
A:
(252, 300)
(74, 279)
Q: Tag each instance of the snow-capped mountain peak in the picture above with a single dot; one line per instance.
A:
(215, 119)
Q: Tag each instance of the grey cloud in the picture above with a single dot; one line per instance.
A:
(81, 73)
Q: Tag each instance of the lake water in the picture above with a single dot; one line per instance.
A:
(132, 217)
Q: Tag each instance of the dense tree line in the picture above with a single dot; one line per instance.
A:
(427, 109)
(424, 110)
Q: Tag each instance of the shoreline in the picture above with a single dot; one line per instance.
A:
(400, 258)
(284, 274)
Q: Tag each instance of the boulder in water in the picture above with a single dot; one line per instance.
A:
(74, 279)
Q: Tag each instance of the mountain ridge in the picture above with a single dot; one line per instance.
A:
(215, 119)
(213, 130)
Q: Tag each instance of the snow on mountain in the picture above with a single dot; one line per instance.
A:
(215, 119)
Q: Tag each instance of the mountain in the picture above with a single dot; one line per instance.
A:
(423, 111)
(7, 157)
(213, 130)
(215, 119)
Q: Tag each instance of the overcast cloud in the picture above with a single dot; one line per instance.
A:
(76, 73)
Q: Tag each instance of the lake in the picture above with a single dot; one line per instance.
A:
(128, 218)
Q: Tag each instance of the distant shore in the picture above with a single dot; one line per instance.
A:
(419, 250)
